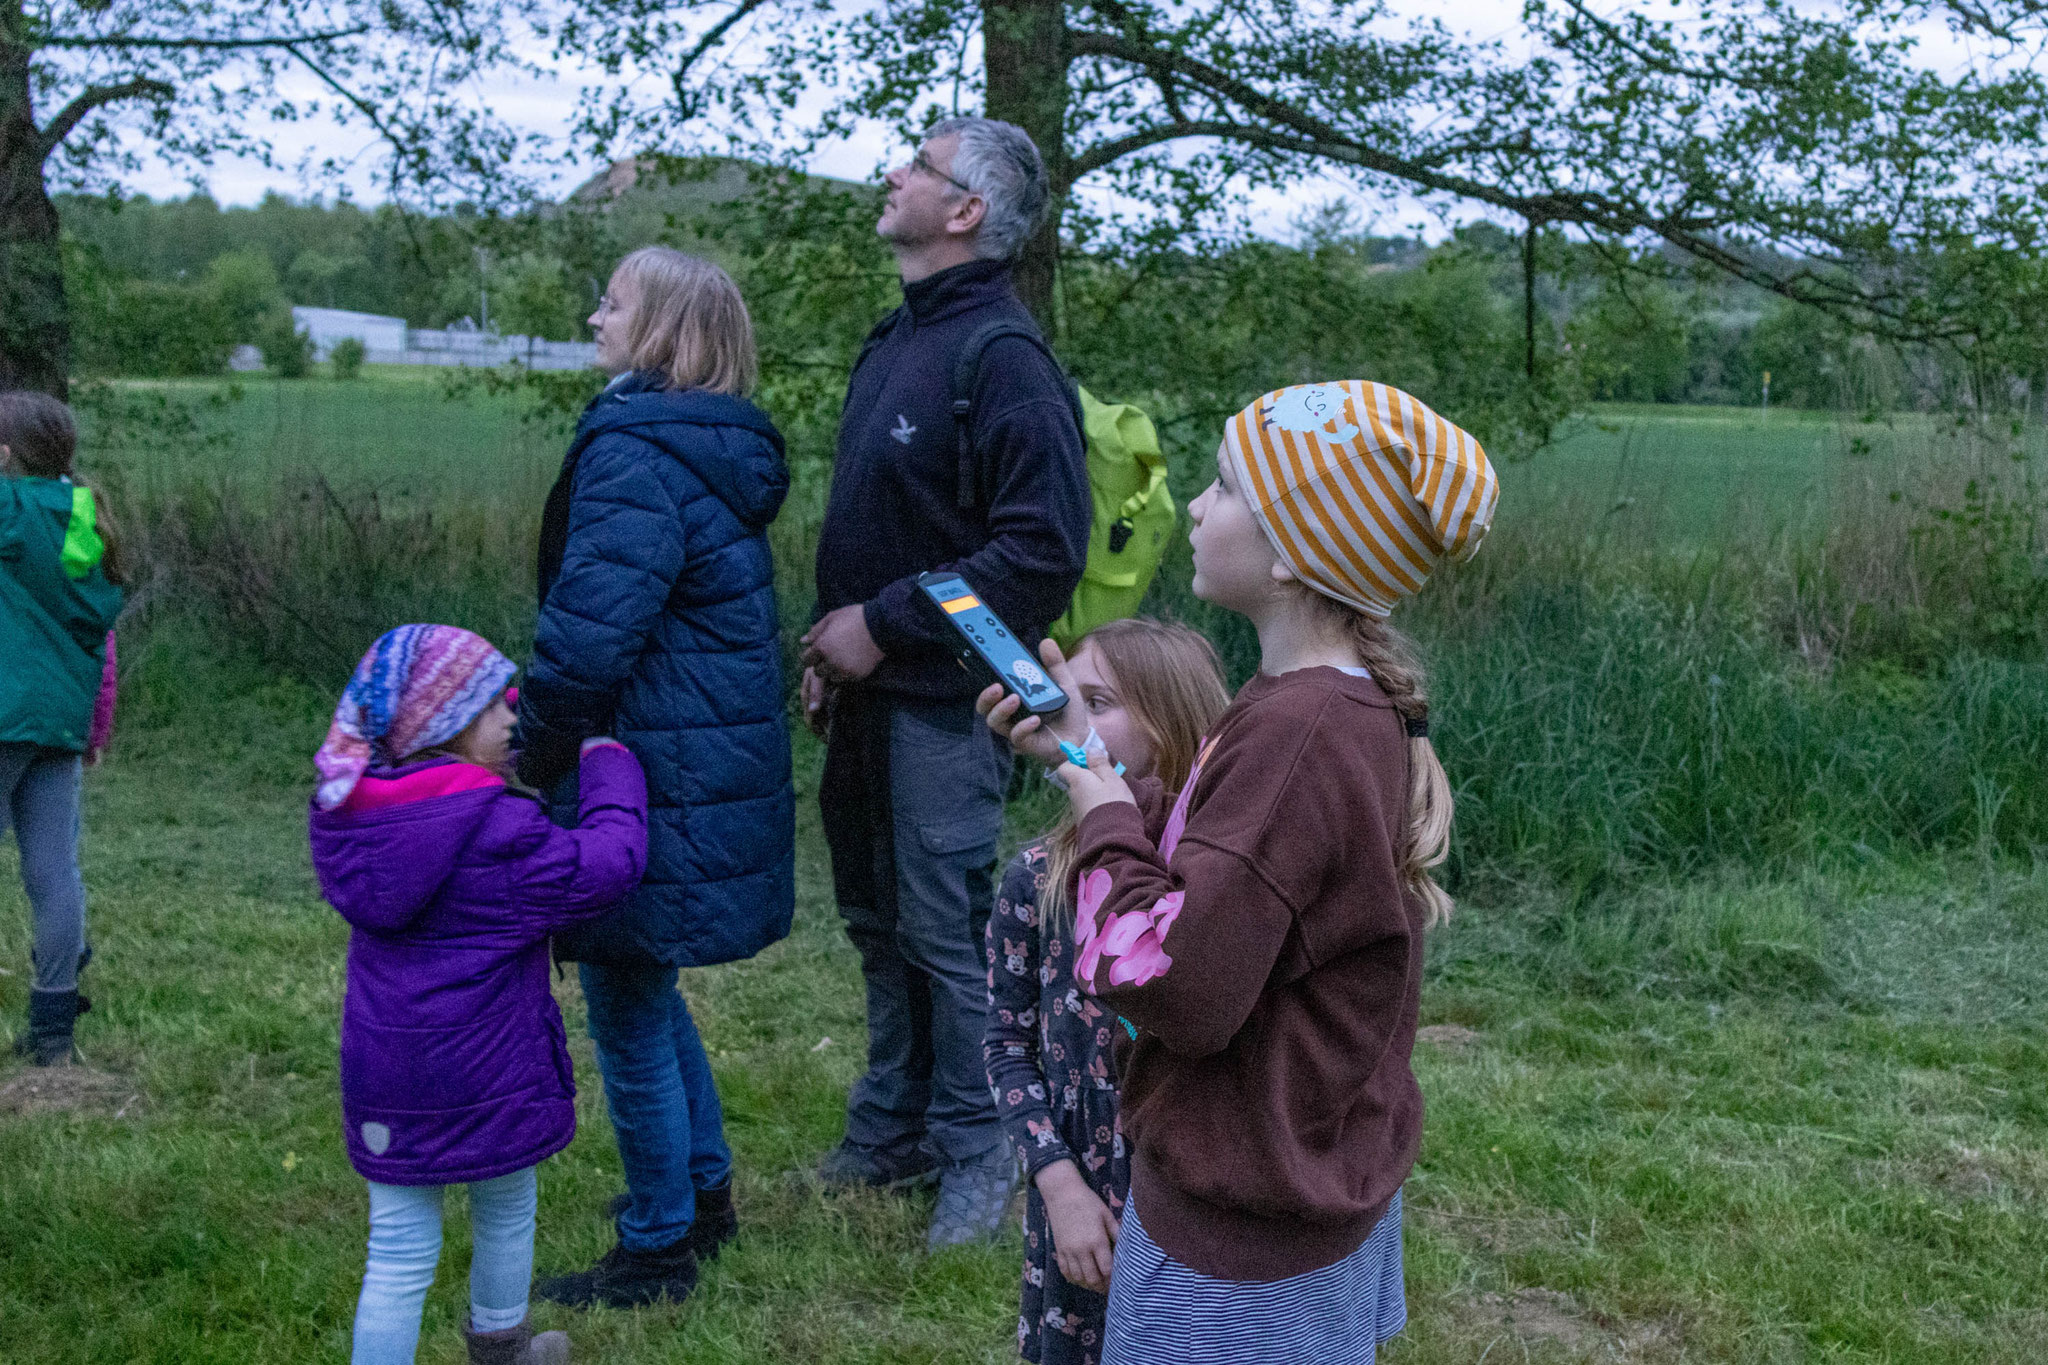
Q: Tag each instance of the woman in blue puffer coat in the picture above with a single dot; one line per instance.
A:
(658, 625)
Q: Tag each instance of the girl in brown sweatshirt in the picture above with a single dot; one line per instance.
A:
(1260, 935)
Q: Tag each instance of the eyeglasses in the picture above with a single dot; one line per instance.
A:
(921, 162)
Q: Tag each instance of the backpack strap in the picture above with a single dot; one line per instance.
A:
(967, 369)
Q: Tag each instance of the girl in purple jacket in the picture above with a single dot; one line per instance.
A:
(454, 1067)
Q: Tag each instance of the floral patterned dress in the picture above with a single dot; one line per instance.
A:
(1048, 1050)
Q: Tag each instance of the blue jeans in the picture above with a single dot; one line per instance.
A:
(663, 1102)
(405, 1244)
(39, 797)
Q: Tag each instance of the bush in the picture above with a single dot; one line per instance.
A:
(125, 326)
(347, 358)
(286, 350)
(155, 330)
(245, 285)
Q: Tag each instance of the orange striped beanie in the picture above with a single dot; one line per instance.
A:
(1362, 490)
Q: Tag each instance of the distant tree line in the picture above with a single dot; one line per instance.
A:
(172, 286)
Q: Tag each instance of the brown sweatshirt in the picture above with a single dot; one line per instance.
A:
(1268, 1094)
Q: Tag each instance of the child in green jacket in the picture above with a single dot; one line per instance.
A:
(59, 595)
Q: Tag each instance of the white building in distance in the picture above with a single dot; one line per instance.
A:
(389, 341)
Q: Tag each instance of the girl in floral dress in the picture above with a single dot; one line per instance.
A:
(1150, 691)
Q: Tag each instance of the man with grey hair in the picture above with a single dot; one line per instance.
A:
(959, 450)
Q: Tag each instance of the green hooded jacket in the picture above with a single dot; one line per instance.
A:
(56, 607)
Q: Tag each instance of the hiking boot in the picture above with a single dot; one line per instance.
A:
(973, 1195)
(51, 1018)
(625, 1278)
(882, 1168)
(516, 1346)
(716, 1222)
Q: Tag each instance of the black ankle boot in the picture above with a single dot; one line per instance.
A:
(625, 1278)
(716, 1223)
(51, 1018)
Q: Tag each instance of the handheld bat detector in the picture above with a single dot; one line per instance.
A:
(986, 644)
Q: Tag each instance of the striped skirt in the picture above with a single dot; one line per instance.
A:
(1162, 1313)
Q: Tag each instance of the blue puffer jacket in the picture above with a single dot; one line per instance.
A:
(658, 625)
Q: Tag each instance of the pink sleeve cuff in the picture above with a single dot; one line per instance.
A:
(103, 706)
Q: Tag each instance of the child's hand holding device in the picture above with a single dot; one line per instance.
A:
(1035, 735)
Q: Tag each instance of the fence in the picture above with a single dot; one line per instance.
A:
(389, 341)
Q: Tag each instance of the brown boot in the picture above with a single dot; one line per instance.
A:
(516, 1346)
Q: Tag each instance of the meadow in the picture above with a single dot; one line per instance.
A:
(1733, 1051)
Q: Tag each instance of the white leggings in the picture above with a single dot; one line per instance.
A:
(405, 1246)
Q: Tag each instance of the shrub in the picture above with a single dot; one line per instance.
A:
(347, 358)
(125, 326)
(286, 350)
(244, 283)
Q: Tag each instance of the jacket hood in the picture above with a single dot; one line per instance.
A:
(385, 853)
(742, 463)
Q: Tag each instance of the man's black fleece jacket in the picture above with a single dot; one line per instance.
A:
(894, 509)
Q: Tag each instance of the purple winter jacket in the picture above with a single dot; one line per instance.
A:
(454, 1066)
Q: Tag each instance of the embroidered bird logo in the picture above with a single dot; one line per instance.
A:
(903, 431)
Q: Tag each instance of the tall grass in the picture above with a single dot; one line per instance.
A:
(1610, 700)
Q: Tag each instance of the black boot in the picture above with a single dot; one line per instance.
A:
(51, 1017)
(625, 1278)
(716, 1223)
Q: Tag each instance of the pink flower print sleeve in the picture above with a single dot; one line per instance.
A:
(1184, 918)
(1135, 941)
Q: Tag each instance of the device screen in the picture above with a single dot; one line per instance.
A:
(990, 640)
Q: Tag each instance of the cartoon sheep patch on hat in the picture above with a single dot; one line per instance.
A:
(1311, 407)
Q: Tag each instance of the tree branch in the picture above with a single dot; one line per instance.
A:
(1664, 62)
(1693, 235)
(124, 41)
(93, 97)
(1979, 16)
(712, 38)
(384, 130)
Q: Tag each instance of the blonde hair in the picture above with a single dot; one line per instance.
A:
(691, 323)
(1390, 657)
(1172, 682)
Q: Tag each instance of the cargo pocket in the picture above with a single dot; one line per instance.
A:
(965, 841)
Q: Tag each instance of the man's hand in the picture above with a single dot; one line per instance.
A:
(817, 698)
(840, 648)
(1083, 1229)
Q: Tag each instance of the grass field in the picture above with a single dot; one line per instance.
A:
(1681, 1108)
(1664, 469)
(1809, 1128)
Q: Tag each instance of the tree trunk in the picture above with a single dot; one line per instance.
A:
(1529, 298)
(35, 330)
(1025, 42)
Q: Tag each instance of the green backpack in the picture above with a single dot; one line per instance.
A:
(1134, 512)
(1134, 517)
